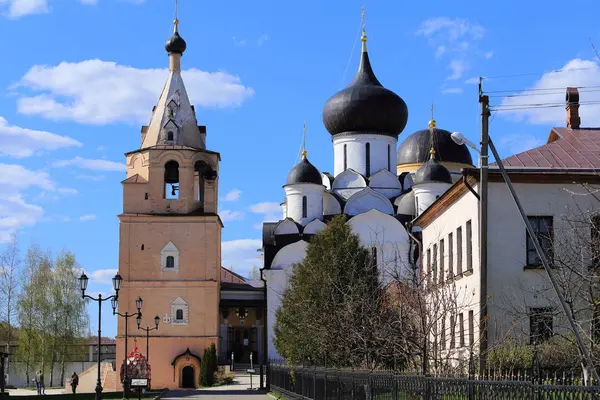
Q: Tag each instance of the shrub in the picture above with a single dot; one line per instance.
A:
(223, 377)
(206, 370)
(213, 357)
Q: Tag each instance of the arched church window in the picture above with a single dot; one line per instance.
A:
(345, 157)
(304, 207)
(374, 256)
(368, 158)
(170, 262)
(171, 190)
(389, 158)
(170, 136)
(179, 315)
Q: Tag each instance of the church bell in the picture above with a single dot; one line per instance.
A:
(171, 173)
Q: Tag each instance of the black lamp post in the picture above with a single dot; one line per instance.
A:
(148, 329)
(138, 314)
(83, 282)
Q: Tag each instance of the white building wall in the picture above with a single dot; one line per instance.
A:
(512, 289)
(427, 193)
(314, 201)
(382, 149)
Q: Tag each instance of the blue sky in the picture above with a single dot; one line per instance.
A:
(81, 76)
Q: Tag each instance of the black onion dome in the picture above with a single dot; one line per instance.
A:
(304, 172)
(432, 171)
(365, 106)
(175, 44)
(416, 147)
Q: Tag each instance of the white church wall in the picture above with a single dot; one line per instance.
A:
(382, 153)
(386, 183)
(283, 210)
(331, 205)
(366, 200)
(348, 183)
(277, 279)
(286, 227)
(388, 235)
(427, 193)
(314, 201)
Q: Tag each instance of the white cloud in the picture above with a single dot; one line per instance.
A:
(266, 207)
(21, 142)
(87, 217)
(90, 177)
(453, 90)
(15, 212)
(514, 143)
(67, 191)
(241, 254)
(91, 164)
(458, 68)
(550, 90)
(241, 42)
(21, 8)
(262, 39)
(456, 38)
(102, 276)
(472, 81)
(103, 92)
(228, 215)
(232, 195)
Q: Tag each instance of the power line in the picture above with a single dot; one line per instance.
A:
(538, 73)
(561, 92)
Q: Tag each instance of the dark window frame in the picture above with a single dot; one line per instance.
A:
(541, 324)
(450, 255)
(459, 251)
(368, 159)
(179, 312)
(442, 256)
(170, 262)
(532, 259)
(461, 329)
(304, 207)
(469, 228)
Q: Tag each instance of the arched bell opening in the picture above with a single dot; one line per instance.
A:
(202, 172)
(171, 190)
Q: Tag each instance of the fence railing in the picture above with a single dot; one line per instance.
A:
(330, 384)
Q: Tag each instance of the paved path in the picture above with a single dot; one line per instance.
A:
(26, 392)
(216, 395)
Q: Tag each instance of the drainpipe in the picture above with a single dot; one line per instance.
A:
(265, 334)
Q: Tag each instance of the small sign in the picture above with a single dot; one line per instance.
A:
(139, 382)
(250, 370)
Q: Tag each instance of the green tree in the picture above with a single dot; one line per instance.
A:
(213, 358)
(206, 370)
(334, 311)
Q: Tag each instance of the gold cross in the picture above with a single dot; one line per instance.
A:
(363, 17)
(176, 22)
(304, 152)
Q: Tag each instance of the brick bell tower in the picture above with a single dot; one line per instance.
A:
(170, 237)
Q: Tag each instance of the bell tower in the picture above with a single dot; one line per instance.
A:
(170, 236)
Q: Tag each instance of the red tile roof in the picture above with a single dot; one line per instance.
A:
(566, 149)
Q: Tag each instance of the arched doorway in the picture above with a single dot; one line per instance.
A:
(187, 377)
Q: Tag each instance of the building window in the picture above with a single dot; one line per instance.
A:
(469, 246)
(459, 252)
(170, 262)
(540, 324)
(368, 158)
(304, 207)
(171, 189)
(542, 226)
(345, 157)
(374, 256)
(443, 335)
(434, 269)
(170, 136)
(179, 312)
(450, 256)
(452, 333)
(428, 265)
(389, 158)
(595, 244)
(461, 329)
(442, 255)
(169, 257)
(471, 328)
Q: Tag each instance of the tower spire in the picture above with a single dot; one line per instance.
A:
(176, 21)
(432, 126)
(363, 38)
(304, 152)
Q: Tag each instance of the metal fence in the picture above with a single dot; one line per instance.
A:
(330, 384)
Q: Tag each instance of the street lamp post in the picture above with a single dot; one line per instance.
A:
(148, 329)
(83, 282)
(138, 314)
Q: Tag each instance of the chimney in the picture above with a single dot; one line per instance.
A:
(573, 120)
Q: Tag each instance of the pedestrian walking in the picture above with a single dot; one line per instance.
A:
(37, 382)
(74, 381)
(42, 386)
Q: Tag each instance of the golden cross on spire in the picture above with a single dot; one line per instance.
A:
(363, 38)
(304, 152)
(176, 22)
(432, 123)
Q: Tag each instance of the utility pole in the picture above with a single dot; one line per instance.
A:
(484, 100)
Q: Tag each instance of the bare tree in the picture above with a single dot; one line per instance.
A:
(10, 263)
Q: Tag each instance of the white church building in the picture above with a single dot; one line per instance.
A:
(378, 198)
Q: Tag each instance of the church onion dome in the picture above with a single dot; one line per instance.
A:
(432, 171)
(304, 172)
(175, 44)
(415, 148)
(365, 105)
